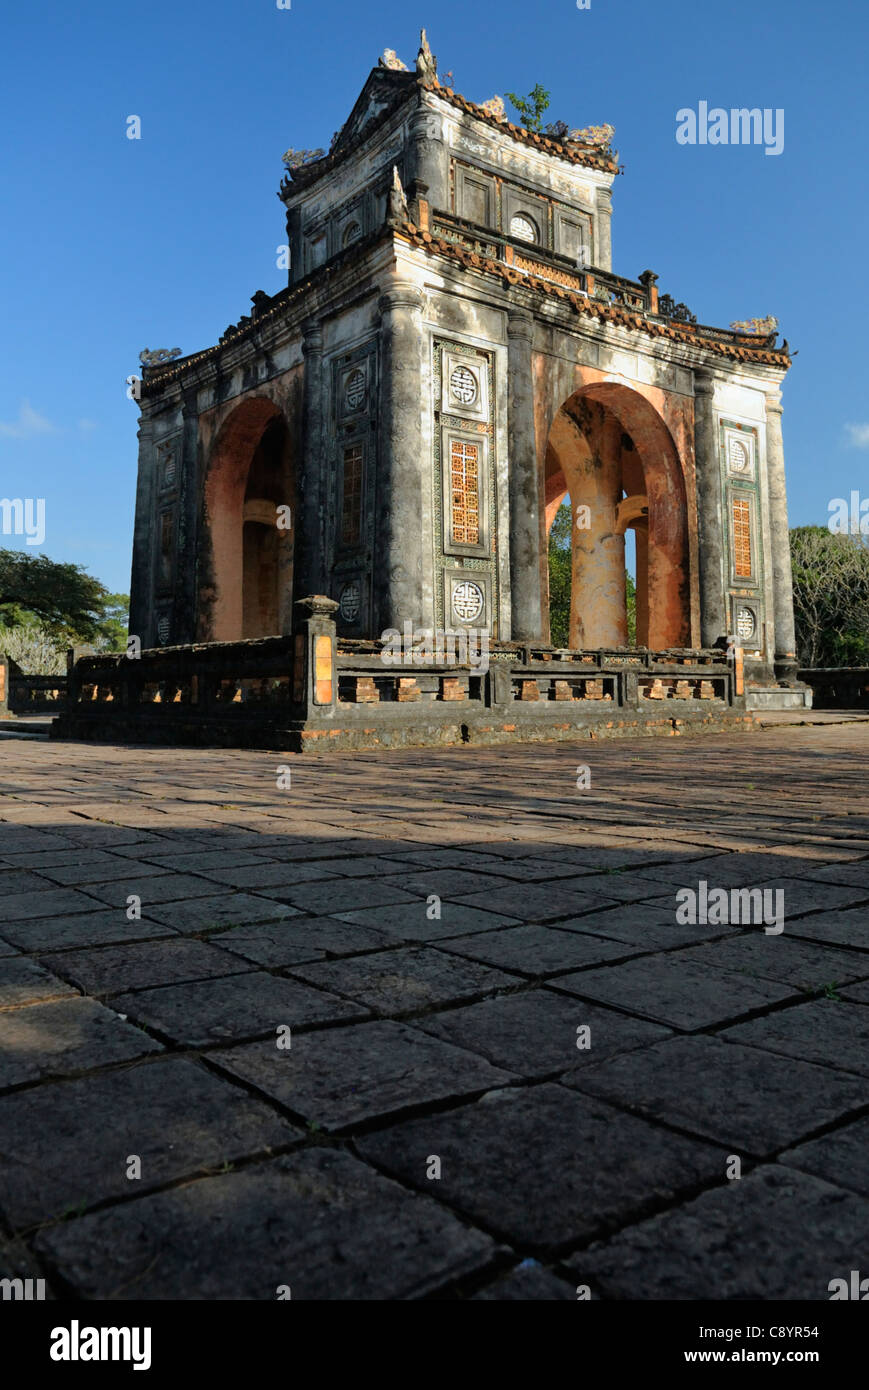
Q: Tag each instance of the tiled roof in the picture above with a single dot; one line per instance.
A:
(589, 155)
(584, 304)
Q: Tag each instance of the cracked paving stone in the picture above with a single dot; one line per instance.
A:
(849, 928)
(528, 1282)
(94, 866)
(835, 1034)
(101, 928)
(856, 875)
(64, 1036)
(145, 965)
(677, 992)
(857, 994)
(800, 963)
(320, 1221)
(538, 1169)
(447, 883)
(268, 875)
(301, 939)
(755, 1101)
(13, 881)
(22, 981)
(536, 902)
(247, 1005)
(536, 951)
(802, 895)
(535, 1033)
(344, 895)
(775, 1234)
(343, 1076)
(162, 888)
(649, 928)
(178, 1118)
(404, 980)
(228, 910)
(413, 923)
(54, 902)
(839, 1157)
(626, 888)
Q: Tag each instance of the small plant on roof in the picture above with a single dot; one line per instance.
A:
(532, 107)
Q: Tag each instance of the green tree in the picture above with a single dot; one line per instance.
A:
(63, 599)
(831, 597)
(532, 107)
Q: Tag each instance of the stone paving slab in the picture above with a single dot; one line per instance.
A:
(100, 928)
(413, 924)
(300, 939)
(771, 1235)
(447, 1027)
(23, 981)
(176, 1117)
(672, 990)
(754, 1100)
(335, 1230)
(535, 951)
(65, 1036)
(839, 1157)
(835, 1034)
(541, 1169)
(345, 1076)
(111, 969)
(200, 1013)
(539, 1033)
(405, 980)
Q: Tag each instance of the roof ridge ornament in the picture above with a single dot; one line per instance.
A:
(398, 209)
(426, 63)
(390, 59)
(147, 358)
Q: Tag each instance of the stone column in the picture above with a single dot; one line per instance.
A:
(429, 157)
(782, 582)
(309, 561)
(526, 618)
(603, 244)
(142, 621)
(713, 607)
(403, 468)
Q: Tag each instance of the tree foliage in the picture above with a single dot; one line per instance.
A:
(831, 597)
(58, 603)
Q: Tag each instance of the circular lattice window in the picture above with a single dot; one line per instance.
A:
(463, 386)
(354, 389)
(350, 601)
(523, 228)
(745, 623)
(468, 601)
(739, 456)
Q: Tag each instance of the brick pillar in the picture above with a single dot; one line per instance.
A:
(603, 244)
(713, 609)
(526, 599)
(782, 581)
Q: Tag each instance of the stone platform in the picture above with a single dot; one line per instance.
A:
(425, 1025)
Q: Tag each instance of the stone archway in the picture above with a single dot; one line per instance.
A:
(249, 477)
(610, 450)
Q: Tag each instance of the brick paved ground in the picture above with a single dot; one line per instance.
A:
(426, 1039)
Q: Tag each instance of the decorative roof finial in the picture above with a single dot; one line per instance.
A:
(426, 62)
(398, 210)
(390, 59)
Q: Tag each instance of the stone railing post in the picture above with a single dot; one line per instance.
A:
(315, 674)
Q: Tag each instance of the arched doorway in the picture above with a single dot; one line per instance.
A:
(609, 449)
(250, 509)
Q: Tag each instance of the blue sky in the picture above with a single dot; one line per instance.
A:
(109, 245)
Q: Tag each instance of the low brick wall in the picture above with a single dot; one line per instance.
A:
(21, 694)
(316, 691)
(838, 687)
